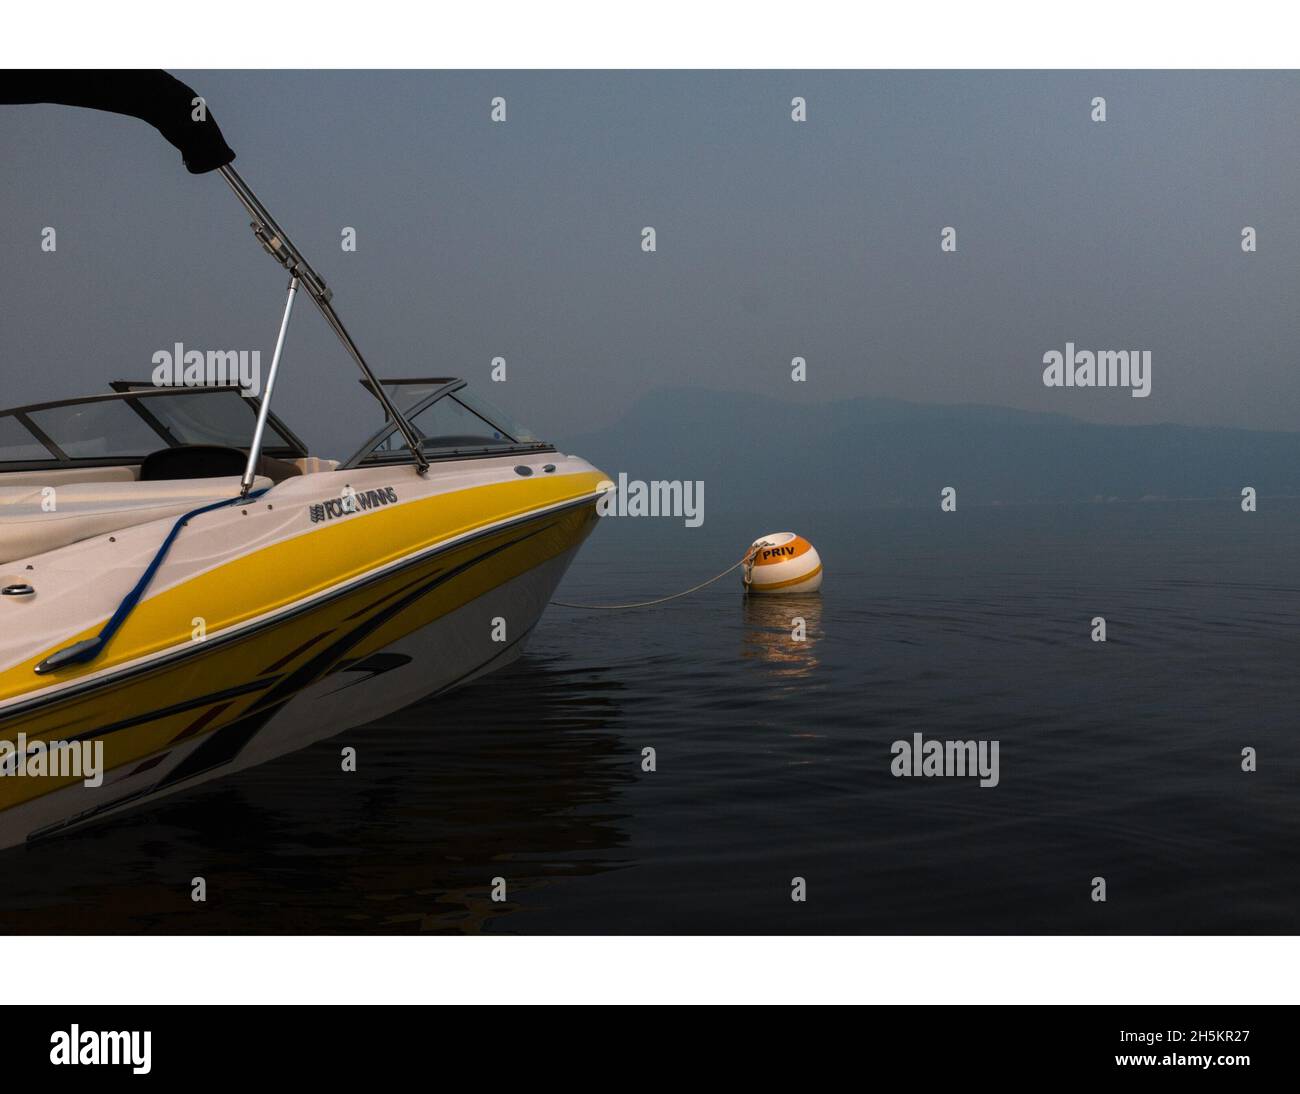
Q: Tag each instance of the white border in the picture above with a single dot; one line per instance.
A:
(663, 34)
(1122, 970)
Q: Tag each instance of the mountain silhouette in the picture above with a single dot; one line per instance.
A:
(749, 449)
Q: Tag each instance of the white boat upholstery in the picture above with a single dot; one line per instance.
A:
(33, 521)
(57, 476)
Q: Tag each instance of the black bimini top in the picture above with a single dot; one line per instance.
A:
(151, 95)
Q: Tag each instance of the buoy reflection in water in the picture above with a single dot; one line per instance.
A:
(783, 631)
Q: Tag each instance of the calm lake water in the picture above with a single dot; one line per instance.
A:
(1119, 760)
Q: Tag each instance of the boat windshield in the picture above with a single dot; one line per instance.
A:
(191, 416)
(451, 422)
(131, 423)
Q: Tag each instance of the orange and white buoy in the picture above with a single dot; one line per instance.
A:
(782, 562)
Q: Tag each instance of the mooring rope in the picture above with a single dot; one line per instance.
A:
(748, 559)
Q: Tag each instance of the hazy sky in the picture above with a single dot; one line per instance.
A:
(775, 238)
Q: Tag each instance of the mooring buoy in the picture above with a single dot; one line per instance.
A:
(782, 562)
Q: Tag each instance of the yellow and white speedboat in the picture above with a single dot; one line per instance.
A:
(179, 601)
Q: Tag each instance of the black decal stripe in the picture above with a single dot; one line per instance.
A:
(375, 665)
(201, 721)
(219, 747)
(293, 653)
(387, 596)
(177, 708)
(319, 665)
(153, 761)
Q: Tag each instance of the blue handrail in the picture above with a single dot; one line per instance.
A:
(79, 653)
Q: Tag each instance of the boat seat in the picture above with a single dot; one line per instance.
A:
(85, 509)
(206, 461)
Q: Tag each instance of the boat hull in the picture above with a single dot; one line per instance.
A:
(416, 626)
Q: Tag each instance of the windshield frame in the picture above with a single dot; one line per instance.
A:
(367, 456)
(132, 394)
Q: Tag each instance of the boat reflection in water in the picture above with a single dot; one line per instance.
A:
(775, 636)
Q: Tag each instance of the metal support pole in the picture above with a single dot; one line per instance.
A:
(264, 410)
(281, 247)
